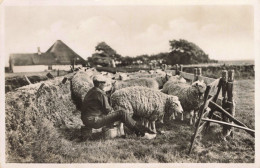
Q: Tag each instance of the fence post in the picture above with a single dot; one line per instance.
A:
(195, 74)
(230, 103)
(181, 68)
(177, 69)
(58, 72)
(199, 73)
(224, 96)
(11, 65)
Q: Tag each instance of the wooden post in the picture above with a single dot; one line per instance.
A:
(201, 111)
(177, 69)
(11, 65)
(49, 67)
(181, 68)
(26, 78)
(58, 72)
(215, 98)
(224, 96)
(230, 103)
(199, 73)
(195, 74)
(73, 63)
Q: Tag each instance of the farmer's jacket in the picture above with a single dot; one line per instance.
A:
(95, 104)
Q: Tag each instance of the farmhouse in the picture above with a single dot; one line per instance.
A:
(59, 55)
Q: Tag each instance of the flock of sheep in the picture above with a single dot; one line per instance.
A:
(147, 97)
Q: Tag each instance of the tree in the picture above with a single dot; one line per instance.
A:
(185, 52)
(105, 55)
(105, 49)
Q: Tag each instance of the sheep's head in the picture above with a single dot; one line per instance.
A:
(200, 85)
(173, 107)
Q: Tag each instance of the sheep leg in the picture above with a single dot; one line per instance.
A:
(146, 123)
(195, 117)
(191, 117)
(153, 128)
(172, 117)
(121, 129)
(181, 116)
(142, 121)
(150, 125)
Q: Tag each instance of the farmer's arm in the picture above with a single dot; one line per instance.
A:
(105, 104)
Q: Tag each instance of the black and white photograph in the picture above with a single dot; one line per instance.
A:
(129, 83)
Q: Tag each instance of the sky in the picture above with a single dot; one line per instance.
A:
(224, 32)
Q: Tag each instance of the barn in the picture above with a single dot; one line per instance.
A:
(58, 56)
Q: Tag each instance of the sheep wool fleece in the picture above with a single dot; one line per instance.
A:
(145, 82)
(142, 102)
(187, 94)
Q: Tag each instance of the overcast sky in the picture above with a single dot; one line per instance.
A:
(223, 32)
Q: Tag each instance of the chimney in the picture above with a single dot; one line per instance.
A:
(39, 51)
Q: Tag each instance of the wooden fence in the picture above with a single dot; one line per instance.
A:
(226, 107)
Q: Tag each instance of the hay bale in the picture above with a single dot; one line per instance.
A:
(24, 111)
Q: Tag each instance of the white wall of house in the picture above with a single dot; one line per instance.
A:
(41, 68)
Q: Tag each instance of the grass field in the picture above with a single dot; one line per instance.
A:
(62, 145)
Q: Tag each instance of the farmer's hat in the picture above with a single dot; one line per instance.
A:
(100, 78)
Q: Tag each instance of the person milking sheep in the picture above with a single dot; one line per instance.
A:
(96, 111)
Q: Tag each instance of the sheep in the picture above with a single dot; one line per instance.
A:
(146, 103)
(172, 80)
(190, 95)
(145, 82)
(81, 83)
(162, 79)
(121, 76)
(153, 83)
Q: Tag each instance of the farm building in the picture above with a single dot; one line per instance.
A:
(58, 56)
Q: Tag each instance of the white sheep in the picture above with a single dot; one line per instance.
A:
(146, 103)
(81, 83)
(153, 83)
(190, 96)
(121, 76)
(172, 80)
(145, 82)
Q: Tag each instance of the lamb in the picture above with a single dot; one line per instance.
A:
(146, 103)
(190, 95)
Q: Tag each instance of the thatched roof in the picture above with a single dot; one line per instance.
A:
(63, 54)
(58, 54)
(32, 59)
